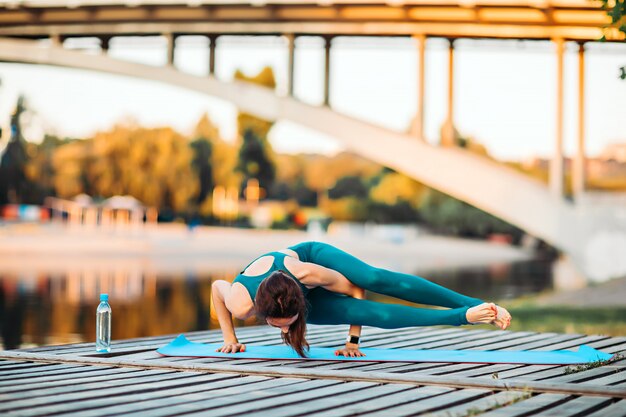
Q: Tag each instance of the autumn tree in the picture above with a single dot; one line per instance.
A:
(256, 157)
(152, 165)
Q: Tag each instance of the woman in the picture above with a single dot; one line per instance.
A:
(314, 282)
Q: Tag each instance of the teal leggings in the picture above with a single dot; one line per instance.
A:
(327, 307)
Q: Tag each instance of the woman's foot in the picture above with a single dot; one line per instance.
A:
(503, 317)
(489, 313)
(484, 313)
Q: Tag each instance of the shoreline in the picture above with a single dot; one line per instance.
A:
(173, 248)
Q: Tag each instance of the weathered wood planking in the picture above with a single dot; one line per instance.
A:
(134, 380)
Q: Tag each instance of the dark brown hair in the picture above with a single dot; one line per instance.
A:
(279, 296)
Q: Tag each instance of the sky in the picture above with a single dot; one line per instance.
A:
(505, 91)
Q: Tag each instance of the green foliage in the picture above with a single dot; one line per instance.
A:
(201, 164)
(595, 364)
(453, 216)
(616, 9)
(348, 186)
(14, 184)
(254, 160)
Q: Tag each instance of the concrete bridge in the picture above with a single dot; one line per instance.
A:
(592, 236)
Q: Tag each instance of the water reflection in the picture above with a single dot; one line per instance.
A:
(59, 307)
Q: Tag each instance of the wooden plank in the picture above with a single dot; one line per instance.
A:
(346, 375)
(615, 378)
(35, 370)
(430, 404)
(373, 404)
(549, 341)
(588, 376)
(498, 338)
(153, 399)
(56, 385)
(574, 343)
(60, 375)
(488, 370)
(617, 409)
(15, 365)
(480, 405)
(21, 401)
(274, 389)
(247, 405)
(440, 342)
(75, 378)
(576, 407)
(525, 370)
(528, 407)
(331, 402)
(541, 375)
(17, 379)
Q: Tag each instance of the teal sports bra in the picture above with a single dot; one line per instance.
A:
(252, 282)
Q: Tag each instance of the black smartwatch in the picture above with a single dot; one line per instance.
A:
(352, 339)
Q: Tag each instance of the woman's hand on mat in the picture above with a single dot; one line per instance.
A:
(233, 347)
(351, 350)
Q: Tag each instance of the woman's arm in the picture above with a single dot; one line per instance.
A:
(352, 349)
(220, 292)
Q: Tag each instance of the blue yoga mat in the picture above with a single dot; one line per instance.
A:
(585, 354)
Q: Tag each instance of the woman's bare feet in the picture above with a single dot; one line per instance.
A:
(489, 313)
(484, 313)
(503, 317)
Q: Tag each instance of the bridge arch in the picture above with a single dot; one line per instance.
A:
(492, 187)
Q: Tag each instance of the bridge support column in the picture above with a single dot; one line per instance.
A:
(327, 44)
(417, 127)
(578, 166)
(171, 40)
(447, 133)
(291, 62)
(212, 47)
(557, 164)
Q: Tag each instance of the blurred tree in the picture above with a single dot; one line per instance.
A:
(395, 188)
(346, 209)
(69, 164)
(254, 161)
(13, 181)
(304, 195)
(202, 146)
(348, 186)
(40, 169)
(152, 165)
(256, 157)
(449, 215)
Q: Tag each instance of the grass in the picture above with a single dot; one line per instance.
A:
(585, 366)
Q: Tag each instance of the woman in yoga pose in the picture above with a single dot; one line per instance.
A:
(314, 282)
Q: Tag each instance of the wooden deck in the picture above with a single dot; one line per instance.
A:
(134, 380)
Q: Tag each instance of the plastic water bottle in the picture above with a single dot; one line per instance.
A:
(103, 325)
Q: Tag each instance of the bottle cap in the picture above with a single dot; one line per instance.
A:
(104, 297)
